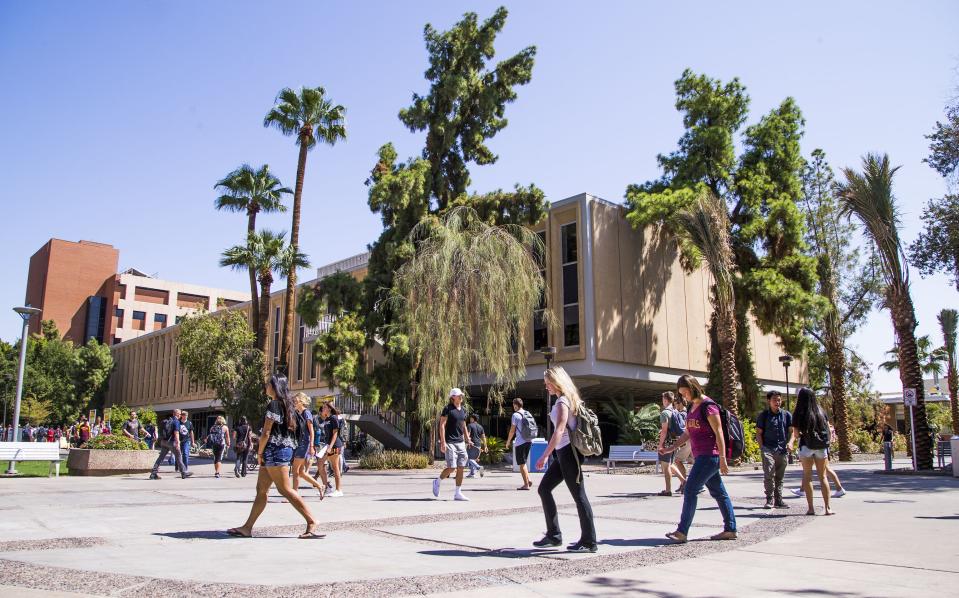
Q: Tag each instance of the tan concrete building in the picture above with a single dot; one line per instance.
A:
(629, 321)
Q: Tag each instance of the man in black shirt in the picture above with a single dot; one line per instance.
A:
(454, 439)
(169, 433)
(478, 436)
(771, 434)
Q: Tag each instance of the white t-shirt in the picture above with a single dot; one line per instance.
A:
(517, 420)
(570, 421)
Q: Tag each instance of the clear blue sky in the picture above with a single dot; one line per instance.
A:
(118, 117)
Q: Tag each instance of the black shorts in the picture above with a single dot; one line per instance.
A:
(522, 453)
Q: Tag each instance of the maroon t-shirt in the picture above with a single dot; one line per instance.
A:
(702, 440)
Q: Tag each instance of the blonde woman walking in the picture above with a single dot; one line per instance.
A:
(304, 444)
(567, 467)
(218, 439)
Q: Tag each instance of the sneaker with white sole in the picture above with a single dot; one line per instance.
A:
(335, 493)
(436, 487)
(839, 493)
(798, 492)
(482, 471)
(460, 496)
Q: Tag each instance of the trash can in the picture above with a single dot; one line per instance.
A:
(535, 452)
(954, 446)
(887, 455)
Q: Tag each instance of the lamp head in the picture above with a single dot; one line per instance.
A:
(26, 312)
(785, 360)
(549, 352)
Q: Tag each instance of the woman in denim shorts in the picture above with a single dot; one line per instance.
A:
(811, 427)
(275, 453)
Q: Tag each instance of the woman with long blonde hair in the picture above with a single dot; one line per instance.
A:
(304, 447)
(566, 467)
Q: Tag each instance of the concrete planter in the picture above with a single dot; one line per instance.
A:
(96, 462)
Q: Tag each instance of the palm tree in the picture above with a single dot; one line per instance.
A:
(251, 191)
(947, 321)
(265, 253)
(930, 360)
(869, 197)
(704, 229)
(310, 116)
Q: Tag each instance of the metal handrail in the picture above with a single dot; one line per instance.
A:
(355, 405)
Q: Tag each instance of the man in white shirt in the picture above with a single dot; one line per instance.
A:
(523, 444)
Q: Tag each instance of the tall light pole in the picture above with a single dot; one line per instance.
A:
(548, 353)
(786, 360)
(26, 313)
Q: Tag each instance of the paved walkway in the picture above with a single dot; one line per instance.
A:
(893, 536)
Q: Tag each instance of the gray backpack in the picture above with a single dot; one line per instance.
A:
(586, 437)
(527, 425)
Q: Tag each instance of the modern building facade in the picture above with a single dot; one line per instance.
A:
(628, 321)
(77, 286)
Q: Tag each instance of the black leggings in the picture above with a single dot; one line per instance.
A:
(240, 465)
(566, 467)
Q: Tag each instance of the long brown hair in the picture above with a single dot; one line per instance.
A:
(695, 388)
(282, 389)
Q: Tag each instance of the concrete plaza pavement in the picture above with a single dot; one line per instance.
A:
(123, 535)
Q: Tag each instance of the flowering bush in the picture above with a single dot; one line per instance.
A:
(114, 442)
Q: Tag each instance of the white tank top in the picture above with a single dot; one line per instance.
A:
(570, 420)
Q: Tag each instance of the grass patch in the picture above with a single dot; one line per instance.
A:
(34, 469)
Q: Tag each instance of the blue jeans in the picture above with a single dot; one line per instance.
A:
(705, 472)
(185, 451)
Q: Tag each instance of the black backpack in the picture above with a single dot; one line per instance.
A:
(733, 435)
(817, 439)
(171, 427)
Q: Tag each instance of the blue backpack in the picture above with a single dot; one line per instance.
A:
(677, 424)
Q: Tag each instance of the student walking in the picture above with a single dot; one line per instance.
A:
(275, 454)
(454, 438)
(334, 448)
(218, 439)
(683, 453)
(187, 439)
(704, 433)
(304, 444)
(242, 434)
(478, 436)
(132, 428)
(672, 424)
(522, 428)
(811, 428)
(567, 467)
(170, 444)
(773, 436)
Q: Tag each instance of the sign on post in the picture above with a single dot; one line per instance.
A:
(909, 397)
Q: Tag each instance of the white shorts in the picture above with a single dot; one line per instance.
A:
(456, 454)
(807, 453)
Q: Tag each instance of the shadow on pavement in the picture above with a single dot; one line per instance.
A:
(218, 534)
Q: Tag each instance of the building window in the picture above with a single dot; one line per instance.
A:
(190, 301)
(299, 350)
(118, 314)
(159, 321)
(540, 332)
(179, 319)
(313, 361)
(147, 295)
(276, 339)
(139, 320)
(570, 285)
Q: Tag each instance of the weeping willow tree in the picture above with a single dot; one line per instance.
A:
(465, 300)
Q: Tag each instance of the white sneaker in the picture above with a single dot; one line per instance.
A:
(335, 493)
(459, 496)
(482, 471)
(839, 493)
(436, 487)
(798, 492)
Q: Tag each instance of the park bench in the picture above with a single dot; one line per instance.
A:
(630, 453)
(32, 451)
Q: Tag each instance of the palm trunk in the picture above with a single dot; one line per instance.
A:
(289, 304)
(953, 379)
(262, 333)
(910, 372)
(836, 364)
(254, 297)
(727, 344)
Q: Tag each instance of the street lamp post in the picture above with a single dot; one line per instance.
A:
(25, 313)
(548, 353)
(786, 360)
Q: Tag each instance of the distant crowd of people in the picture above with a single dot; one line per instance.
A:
(75, 435)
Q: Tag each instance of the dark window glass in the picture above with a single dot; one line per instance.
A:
(540, 335)
(570, 284)
(118, 312)
(161, 318)
(139, 315)
(571, 325)
(569, 242)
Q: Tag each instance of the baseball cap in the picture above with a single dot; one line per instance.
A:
(456, 392)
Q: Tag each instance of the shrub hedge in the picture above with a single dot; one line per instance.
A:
(114, 442)
(394, 460)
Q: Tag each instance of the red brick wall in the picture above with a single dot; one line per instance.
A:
(63, 275)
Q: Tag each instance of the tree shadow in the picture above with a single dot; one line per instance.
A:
(635, 542)
(944, 517)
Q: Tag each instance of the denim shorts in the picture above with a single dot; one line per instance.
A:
(277, 456)
(301, 451)
(807, 453)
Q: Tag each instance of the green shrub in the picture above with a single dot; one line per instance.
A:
(114, 442)
(394, 460)
(495, 449)
(635, 427)
(899, 443)
(751, 452)
(121, 413)
(864, 441)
